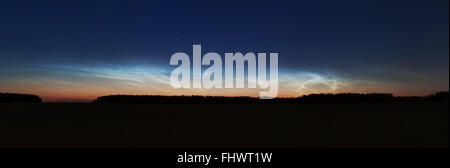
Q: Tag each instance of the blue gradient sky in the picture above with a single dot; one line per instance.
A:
(78, 50)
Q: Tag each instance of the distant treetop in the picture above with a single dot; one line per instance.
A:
(19, 98)
(311, 98)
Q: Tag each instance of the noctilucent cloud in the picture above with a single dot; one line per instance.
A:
(78, 50)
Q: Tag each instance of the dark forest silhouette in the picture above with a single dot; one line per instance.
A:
(311, 98)
(308, 99)
(318, 120)
(14, 97)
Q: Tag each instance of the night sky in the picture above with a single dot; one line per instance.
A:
(78, 50)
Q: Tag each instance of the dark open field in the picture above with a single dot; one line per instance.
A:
(424, 124)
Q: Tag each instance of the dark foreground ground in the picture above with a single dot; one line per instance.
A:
(225, 125)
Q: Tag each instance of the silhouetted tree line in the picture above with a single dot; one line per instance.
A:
(438, 96)
(19, 98)
(442, 96)
(307, 99)
(347, 98)
(175, 99)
